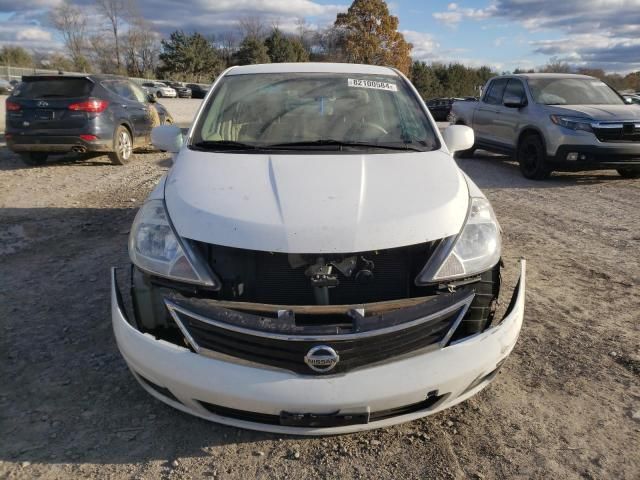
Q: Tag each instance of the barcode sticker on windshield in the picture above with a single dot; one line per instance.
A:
(375, 84)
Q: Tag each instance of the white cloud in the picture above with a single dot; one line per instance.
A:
(33, 34)
(455, 14)
(599, 33)
(425, 47)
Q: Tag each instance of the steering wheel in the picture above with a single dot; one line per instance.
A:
(367, 125)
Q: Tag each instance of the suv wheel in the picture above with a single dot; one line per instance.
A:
(532, 158)
(629, 172)
(34, 158)
(122, 146)
(159, 94)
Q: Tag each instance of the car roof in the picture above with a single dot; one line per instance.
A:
(311, 67)
(546, 75)
(71, 75)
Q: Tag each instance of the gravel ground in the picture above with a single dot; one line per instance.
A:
(566, 404)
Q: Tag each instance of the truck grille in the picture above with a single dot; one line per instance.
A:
(627, 132)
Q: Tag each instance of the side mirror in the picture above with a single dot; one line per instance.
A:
(151, 98)
(512, 101)
(167, 138)
(458, 138)
(628, 100)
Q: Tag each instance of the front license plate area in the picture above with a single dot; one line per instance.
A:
(326, 420)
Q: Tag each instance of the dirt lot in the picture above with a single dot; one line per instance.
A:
(566, 405)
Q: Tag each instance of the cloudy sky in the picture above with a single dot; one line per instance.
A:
(502, 33)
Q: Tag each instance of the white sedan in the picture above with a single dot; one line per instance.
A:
(314, 262)
(159, 89)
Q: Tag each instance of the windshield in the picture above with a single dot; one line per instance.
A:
(572, 91)
(315, 111)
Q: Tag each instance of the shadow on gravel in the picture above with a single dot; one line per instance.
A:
(66, 394)
(498, 171)
(12, 161)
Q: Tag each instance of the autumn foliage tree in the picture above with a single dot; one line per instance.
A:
(371, 35)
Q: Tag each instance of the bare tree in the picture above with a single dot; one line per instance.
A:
(102, 48)
(115, 11)
(71, 22)
(228, 42)
(141, 48)
(252, 27)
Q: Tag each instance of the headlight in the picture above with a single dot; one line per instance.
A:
(155, 248)
(573, 123)
(476, 249)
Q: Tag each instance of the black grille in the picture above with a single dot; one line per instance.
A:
(279, 278)
(235, 334)
(627, 134)
(270, 419)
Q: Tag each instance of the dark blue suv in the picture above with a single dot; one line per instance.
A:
(92, 113)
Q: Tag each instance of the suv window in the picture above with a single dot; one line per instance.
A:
(54, 87)
(496, 91)
(515, 88)
(119, 87)
(137, 93)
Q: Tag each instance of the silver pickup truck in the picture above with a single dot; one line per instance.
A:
(553, 122)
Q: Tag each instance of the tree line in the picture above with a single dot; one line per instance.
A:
(111, 36)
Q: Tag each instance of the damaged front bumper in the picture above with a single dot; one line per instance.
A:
(239, 393)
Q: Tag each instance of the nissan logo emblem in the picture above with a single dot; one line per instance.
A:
(42, 103)
(321, 359)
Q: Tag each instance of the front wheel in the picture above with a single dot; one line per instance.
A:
(159, 94)
(122, 146)
(34, 158)
(532, 158)
(629, 172)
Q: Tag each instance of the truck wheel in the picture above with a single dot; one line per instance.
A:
(532, 158)
(122, 146)
(34, 158)
(629, 172)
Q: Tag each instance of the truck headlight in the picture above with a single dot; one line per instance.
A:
(476, 249)
(155, 248)
(573, 123)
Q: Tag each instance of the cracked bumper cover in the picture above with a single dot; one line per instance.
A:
(457, 372)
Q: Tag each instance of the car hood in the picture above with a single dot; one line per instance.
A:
(316, 203)
(599, 112)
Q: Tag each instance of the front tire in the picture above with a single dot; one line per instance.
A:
(629, 172)
(34, 158)
(158, 94)
(122, 146)
(532, 158)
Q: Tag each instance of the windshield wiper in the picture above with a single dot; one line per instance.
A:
(223, 145)
(340, 144)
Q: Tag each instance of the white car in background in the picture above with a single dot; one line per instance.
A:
(159, 89)
(314, 262)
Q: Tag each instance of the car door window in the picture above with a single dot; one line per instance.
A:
(115, 86)
(496, 91)
(515, 88)
(136, 93)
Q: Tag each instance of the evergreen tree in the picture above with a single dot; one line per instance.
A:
(190, 57)
(252, 51)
